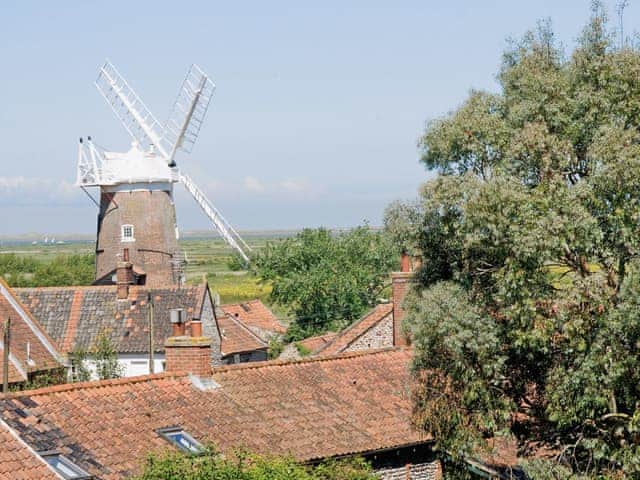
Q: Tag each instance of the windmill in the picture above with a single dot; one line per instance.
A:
(136, 207)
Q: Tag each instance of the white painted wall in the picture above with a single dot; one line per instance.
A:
(133, 364)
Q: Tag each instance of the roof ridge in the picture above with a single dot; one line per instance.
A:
(67, 287)
(347, 330)
(69, 387)
(104, 287)
(94, 384)
(326, 358)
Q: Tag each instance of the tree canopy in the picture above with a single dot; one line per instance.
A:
(62, 270)
(326, 279)
(526, 311)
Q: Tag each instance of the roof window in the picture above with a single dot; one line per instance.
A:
(64, 467)
(181, 439)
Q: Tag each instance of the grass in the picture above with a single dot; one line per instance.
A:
(207, 258)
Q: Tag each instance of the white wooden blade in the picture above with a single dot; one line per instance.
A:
(187, 116)
(136, 118)
(219, 222)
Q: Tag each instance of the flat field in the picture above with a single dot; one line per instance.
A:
(206, 256)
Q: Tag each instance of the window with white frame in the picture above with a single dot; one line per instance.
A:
(127, 233)
(64, 467)
(181, 439)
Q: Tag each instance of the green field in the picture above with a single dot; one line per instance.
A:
(210, 257)
(206, 257)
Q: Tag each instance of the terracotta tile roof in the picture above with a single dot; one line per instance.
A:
(311, 409)
(255, 315)
(352, 333)
(313, 344)
(236, 337)
(75, 316)
(31, 349)
(18, 461)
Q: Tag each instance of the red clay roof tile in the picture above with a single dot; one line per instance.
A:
(256, 316)
(311, 409)
(18, 461)
(236, 337)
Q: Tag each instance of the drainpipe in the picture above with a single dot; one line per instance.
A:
(151, 313)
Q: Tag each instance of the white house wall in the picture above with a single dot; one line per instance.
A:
(132, 364)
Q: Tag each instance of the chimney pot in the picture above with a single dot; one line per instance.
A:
(196, 328)
(405, 262)
(177, 322)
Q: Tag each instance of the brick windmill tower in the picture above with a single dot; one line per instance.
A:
(137, 217)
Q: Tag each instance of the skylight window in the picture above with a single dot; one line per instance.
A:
(64, 467)
(181, 439)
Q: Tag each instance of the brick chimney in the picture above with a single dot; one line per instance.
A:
(399, 284)
(124, 275)
(188, 353)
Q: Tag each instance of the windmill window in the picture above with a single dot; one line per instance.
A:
(64, 467)
(127, 233)
(181, 439)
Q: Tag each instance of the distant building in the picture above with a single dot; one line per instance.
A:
(239, 344)
(257, 317)
(75, 317)
(381, 327)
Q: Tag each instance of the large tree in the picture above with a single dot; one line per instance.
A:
(326, 279)
(526, 312)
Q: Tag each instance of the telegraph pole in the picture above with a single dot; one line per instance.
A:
(6, 341)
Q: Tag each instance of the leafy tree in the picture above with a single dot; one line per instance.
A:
(525, 313)
(63, 270)
(79, 369)
(241, 465)
(326, 280)
(106, 357)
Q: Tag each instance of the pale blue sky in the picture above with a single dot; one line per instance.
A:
(317, 110)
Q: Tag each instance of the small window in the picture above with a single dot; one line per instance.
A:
(127, 233)
(64, 467)
(181, 439)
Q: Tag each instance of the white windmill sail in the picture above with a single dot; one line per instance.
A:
(136, 118)
(187, 116)
(224, 228)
